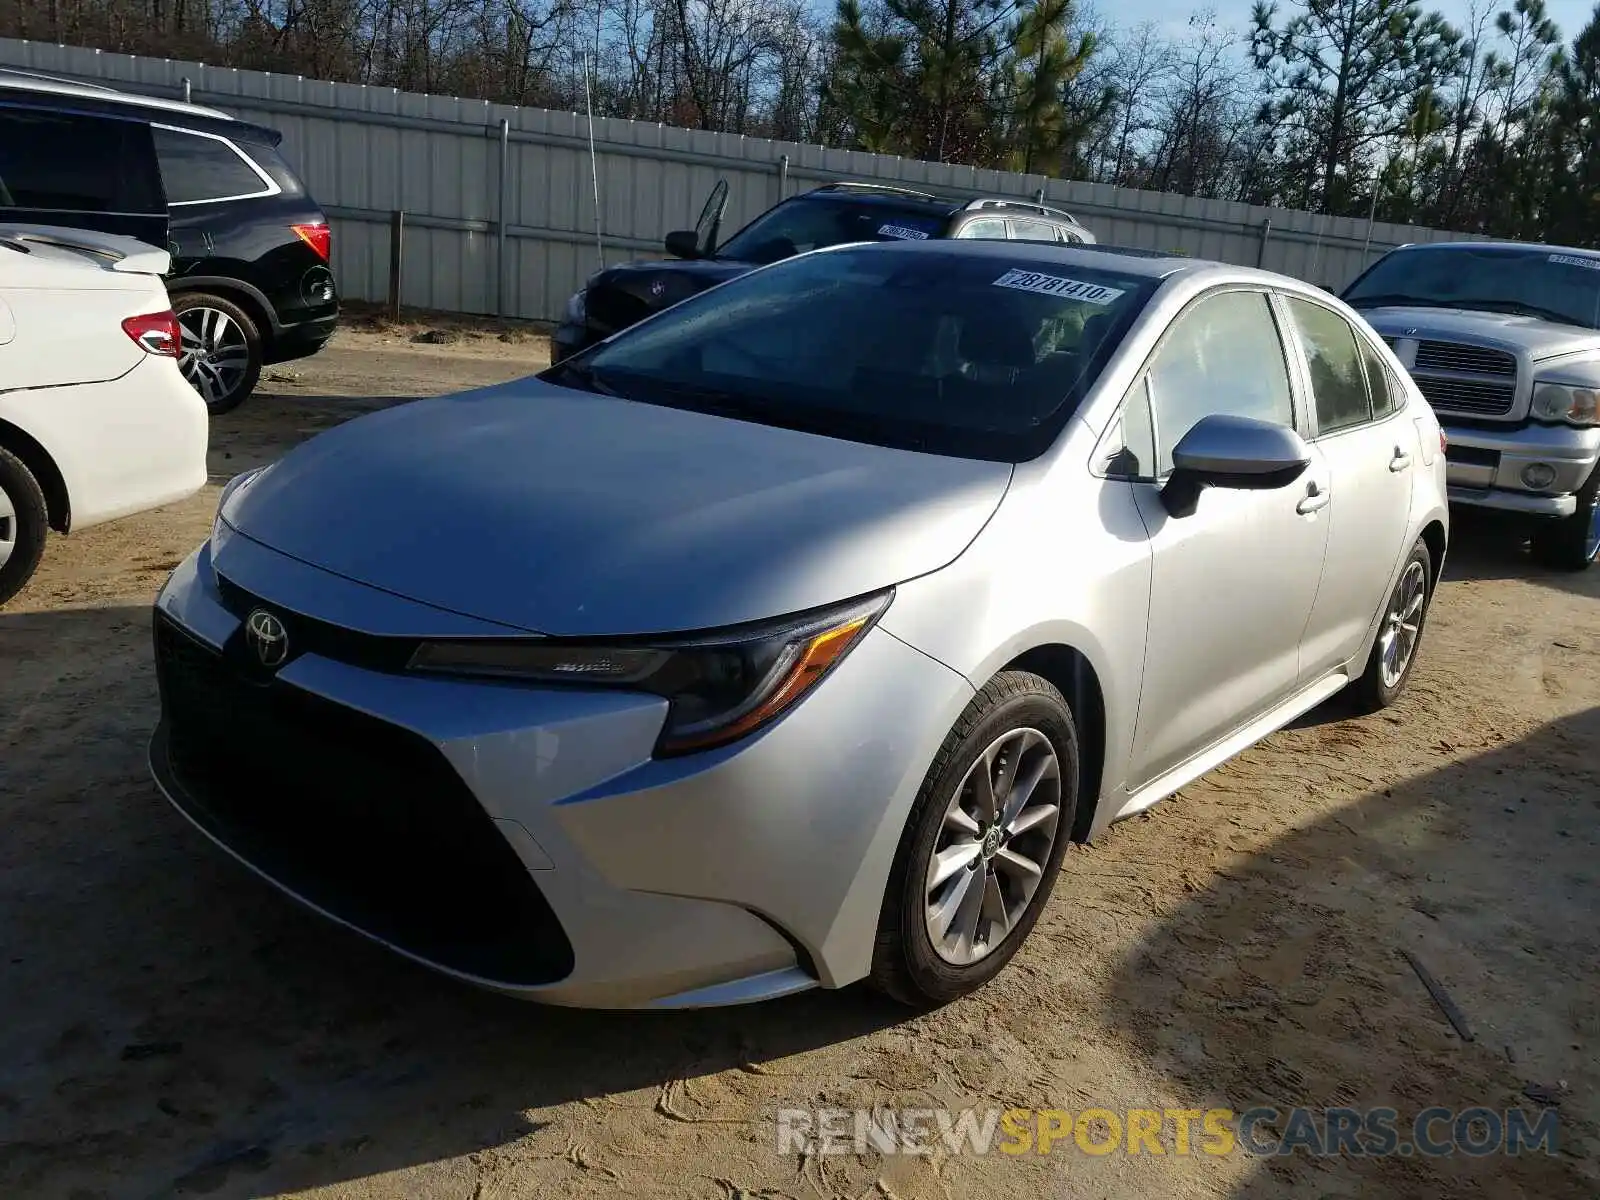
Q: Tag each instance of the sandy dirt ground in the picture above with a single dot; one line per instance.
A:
(171, 1026)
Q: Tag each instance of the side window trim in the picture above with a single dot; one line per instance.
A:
(1305, 407)
(269, 185)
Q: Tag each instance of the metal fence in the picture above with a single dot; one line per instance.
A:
(499, 201)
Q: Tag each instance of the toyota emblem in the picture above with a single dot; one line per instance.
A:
(267, 637)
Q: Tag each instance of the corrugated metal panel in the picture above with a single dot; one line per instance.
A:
(366, 151)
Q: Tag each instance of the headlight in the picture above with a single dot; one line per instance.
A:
(576, 310)
(1563, 402)
(720, 687)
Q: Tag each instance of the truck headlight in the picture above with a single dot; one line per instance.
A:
(577, 310)
(1563, 402)
(719, 686)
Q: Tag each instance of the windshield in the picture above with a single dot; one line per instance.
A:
(811, 224)
(959, 354)
(1554, 285)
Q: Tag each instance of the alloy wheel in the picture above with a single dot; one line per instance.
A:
(1591, 545)
(8, 527)
(215, 356)
(992, 851)
(1402, 624)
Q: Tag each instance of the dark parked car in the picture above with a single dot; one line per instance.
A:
(251, 280)
(830, 215)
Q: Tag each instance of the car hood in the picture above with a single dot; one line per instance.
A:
(1541, 339)
(570, 514)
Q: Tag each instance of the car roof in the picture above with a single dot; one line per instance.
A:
(1586, 252)
(1127, 260)
(16, 83)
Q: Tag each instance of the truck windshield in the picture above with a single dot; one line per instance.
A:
(1544, 282)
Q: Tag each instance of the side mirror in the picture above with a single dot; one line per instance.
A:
(1232, 452)
(683, 243)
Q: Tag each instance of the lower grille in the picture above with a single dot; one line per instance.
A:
(366, 820)
(1467, 396)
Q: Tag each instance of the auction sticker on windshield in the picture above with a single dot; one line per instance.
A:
(902, 231)
(1055, 285)
(1572, 260)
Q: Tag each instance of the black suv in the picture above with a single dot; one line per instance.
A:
(830, 215)
(250, 278)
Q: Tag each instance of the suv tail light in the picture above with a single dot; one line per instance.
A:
(156, 333)
(318, 236)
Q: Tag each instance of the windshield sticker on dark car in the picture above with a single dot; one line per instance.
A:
(1055, 285)
(902, 231)
(1572, 260)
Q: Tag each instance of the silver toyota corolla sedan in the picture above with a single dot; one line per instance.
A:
(787, 638)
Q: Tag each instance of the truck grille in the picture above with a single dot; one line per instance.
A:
(1467, 396)
(1470, 360)
(364, 819)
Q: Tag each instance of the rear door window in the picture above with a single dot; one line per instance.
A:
(1338, 378)
(73, 162)
(1385, 392)
(198, 168)
(1024, 230)
(987, 228)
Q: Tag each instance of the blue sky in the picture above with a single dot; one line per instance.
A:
(1570, 15)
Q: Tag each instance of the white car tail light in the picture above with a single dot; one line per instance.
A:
(156, 333)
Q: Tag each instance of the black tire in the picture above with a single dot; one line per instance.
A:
(905, 964)
(1571, 544)
(1372, 691)
(225, 392)
(25, 529)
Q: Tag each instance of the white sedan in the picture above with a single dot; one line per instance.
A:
(96, 420)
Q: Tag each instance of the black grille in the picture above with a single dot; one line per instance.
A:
(1470, 360)
(364, 819)
(1464, 395)
(609, 309)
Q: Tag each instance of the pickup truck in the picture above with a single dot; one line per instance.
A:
(1503, 339)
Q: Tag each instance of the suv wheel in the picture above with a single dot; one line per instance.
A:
(221, 354)
(22, 524)
(1572, 543)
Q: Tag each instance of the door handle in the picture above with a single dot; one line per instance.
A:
(1314, 499)
(1400, 461)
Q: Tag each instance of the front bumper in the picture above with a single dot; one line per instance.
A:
(1485, 466)
(523, 839)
